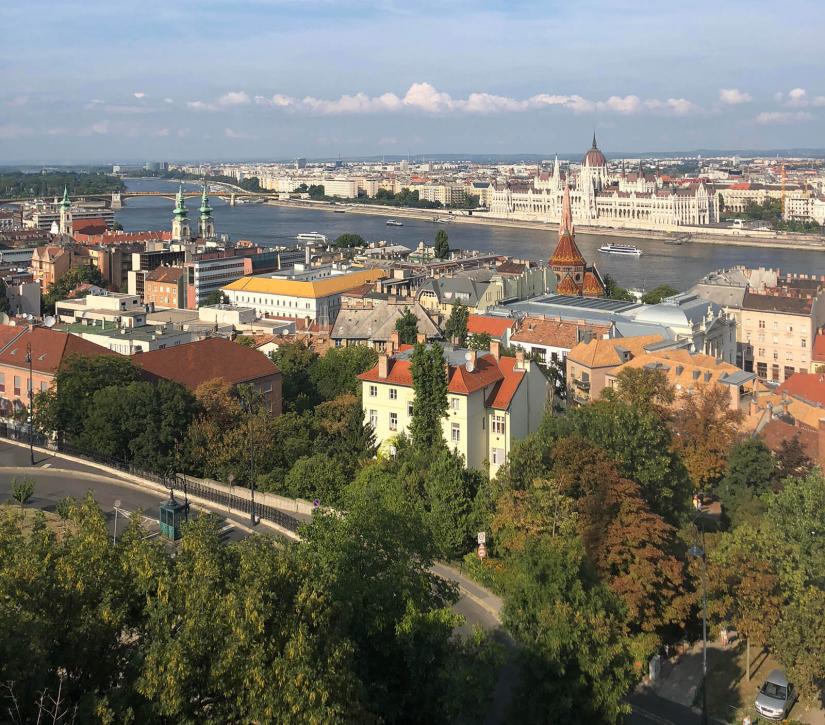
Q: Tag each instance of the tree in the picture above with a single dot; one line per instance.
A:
(448, 499)
(657, 294)
(349, 240)
(441, 248)
(335, 373)
(407, 327)
(575, 656)
(22, 489)
(295, 360)
(73, 278)
(705, 428)
(317, 476)
(644, 389)
(218, 297)
(456, 326)
(65, 407)
(799, 640)
(614, 291)
(750, 472)
(479, 341)
(430, 397)
(5, 306)
(791, 458)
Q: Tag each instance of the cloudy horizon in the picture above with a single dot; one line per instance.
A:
(263, 79)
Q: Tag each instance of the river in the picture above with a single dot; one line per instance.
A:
(680, 266)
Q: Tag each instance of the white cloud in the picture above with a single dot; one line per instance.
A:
(733, 96)
(162, 132)
(782, 117)
(139, 94)
(234, 98)
(231, 133)
(199, 106)
(100, 128)
(168, 100)
(797, 97)
(9, 131)
(425, 98)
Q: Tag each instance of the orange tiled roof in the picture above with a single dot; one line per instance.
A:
(554, 333)
(807, 386)
(567, 286)
(604, 353)
(818, 353)
(493, 326)
(592, 286)
(49, 347)
(566, 253)
(505, 389)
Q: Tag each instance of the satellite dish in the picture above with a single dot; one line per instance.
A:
(4, 318)
(49, 321)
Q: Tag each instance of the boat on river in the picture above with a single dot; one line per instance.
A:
(312, 237)
(625, 249)
(394, 223)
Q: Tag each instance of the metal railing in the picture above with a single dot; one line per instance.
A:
(173, 482)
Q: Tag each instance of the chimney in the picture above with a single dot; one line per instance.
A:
(495, 348)
(470, 357)
(421, 338)
(519, 360)
(383, 365)
(395, 341)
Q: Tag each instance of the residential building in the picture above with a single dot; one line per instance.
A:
(551, 339)
(688, 371)
(198, 362)
(493, 401)
(312, 293)
(49, 348)
(50, 263)
(208, 273)
(165, 287)
(498, 328)
(116, 309)
(374, 326)
(589, 363)
(130, 340)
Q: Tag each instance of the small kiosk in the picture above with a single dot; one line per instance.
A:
(172, 516)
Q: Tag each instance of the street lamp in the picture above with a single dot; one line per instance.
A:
(114, 535)
(31, 402)
(699, 553)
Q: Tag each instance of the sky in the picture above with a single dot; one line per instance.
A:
(83, 81)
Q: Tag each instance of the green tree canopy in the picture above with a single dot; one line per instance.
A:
(76, 276)
(349, 240)
(750, 472)
(295, 360)
(335, 372)
(456, 325)
(215, 298)
(657, 294)
(430, 401)
(407, 327)
(441, 247)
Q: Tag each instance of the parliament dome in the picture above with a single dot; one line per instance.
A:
(594, 157)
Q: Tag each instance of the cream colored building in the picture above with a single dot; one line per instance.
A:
(493, 402)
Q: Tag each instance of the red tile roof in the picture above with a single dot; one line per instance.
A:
(501, 374)
(563, 334)
(809, 386)
(170, 275)
(818, 354)
(493, 326)
(215, 357)
(49, 347)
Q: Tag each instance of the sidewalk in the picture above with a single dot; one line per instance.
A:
(481, 596)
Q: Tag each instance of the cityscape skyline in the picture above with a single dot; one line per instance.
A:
(281, 79)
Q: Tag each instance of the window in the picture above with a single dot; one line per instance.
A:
(775, 325)
(374, 418)
(762, 370)
(499, 424)
(497, 456)
(790, 328)
(774, 372)
(776, 355)
(393, 421)
(761, 352)
(373, 391)
(804, 343)
(788, 371)
(455, 433)
(17, 385)
(393, 393)
(761, 324)
(453, 403)
(410, 409)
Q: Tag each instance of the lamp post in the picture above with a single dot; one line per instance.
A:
(31, 402)
(114, 535)
(699, 553)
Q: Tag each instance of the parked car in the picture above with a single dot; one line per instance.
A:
(776, 697)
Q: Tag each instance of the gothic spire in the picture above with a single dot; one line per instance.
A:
(566, 225)
(66, 202)
(594, 139)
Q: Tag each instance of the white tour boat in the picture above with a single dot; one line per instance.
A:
(626, 249)
(312, 237)
(394, 223)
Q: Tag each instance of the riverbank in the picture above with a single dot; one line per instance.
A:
(733, 238)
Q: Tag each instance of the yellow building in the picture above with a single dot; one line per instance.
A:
(314, 293)
(493, 401)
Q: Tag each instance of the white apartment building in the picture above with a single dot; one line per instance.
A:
(493, 402)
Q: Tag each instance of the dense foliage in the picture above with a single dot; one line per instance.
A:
(349, 240)
(441, 248)
(63, 288)
(52, 183)
(455, 329)
(348, 626)
(407, 327)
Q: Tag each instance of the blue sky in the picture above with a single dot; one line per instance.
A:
(228, 79)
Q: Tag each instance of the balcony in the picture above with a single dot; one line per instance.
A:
(582, 384)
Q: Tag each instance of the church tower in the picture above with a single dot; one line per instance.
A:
(567, 261)
(206, 225)
(180, 224)
(65, 208)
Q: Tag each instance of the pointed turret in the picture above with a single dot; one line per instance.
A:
(180, 206)
(556, 173)
(65, 209)
(65, 202)
(566, 225)
(180, 224)
(205, 209)
(206, 225)
(594, 139)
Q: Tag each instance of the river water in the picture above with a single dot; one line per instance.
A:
(680, 266)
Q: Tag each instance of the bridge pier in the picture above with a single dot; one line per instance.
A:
(232, 199)
(117, 201)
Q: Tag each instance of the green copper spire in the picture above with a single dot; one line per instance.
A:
(66, 202)
(180, 207)
(205, 209)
